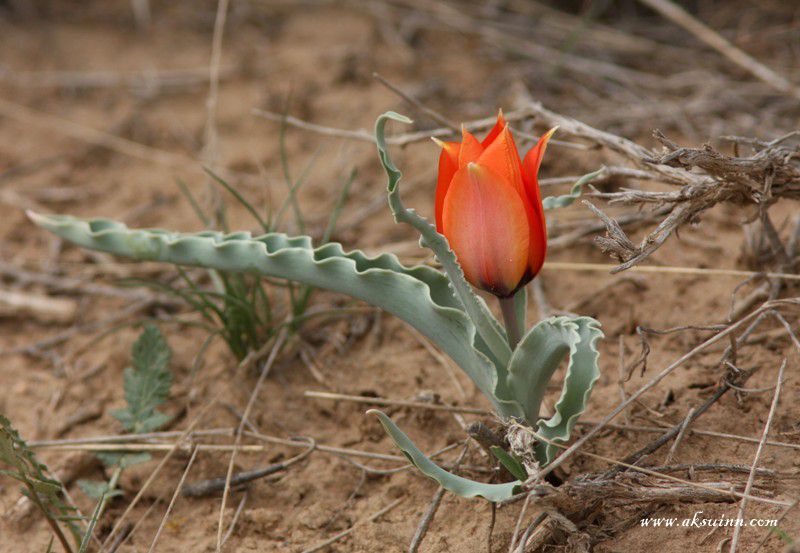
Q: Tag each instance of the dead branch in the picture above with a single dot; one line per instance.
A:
(636, 489)
(681, 17)
(705, 176)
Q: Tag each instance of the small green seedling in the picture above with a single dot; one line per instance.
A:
(147, 383)
(44, 492)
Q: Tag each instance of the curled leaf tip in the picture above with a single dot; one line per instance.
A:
(36, 218)
(438, 142)
(397, 117)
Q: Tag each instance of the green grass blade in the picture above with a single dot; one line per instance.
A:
(194, 203)
(239, 198)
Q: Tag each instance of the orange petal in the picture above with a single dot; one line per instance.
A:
(496, 130)
(485, 221)
(533, 159)
(502, 158)
(448, 165)
(471, 149)
(530, 176)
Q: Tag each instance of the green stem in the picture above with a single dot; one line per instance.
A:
(511, 321)
(34, 496)
(101, 506)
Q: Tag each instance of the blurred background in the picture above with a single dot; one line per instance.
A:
(116, 108)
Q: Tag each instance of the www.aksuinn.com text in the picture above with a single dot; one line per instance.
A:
(699, 521)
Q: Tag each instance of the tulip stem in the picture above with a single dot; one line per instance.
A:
(511, 321)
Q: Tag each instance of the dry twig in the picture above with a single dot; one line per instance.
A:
(347, 532)
(279, 341)
(678, 15)
(430, 512)
(658, 378)
(737, 530)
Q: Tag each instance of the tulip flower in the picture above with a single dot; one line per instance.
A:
(489, 207)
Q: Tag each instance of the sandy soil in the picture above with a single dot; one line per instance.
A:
(322, 59)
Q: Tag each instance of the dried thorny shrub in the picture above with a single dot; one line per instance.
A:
(703, 177)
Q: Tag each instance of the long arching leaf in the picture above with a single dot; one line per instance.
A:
(420, 295)
(451, 482)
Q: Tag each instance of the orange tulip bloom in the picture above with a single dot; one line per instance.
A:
(489, 207)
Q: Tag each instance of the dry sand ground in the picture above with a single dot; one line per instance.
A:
(323, 58)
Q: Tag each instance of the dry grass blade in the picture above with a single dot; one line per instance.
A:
(235, 518)
(740, 515)
(679, 429)
(121, 145)
(398, 402)
(398, 139)
(425, 522)
(38, 306)
(150, 479)
(435, 115)
(678, 15)
(760, 180)
(39, 347)
(211, 135)
(518, 524)
(679, 438)
(430, 512)
(66, 284)
(665, 269)
(250, 448)
(769, 533)
(173, 500)
(148, 81)
(629, 149)
(129, 530)
(474, 410)
(440, 358)
(279, 341)
(706, 177)
(702, 486)
(215, 485)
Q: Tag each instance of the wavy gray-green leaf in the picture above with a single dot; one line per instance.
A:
(582, 374)
(490, 330)
(420, 295)
(451, 482)
(535, 360)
